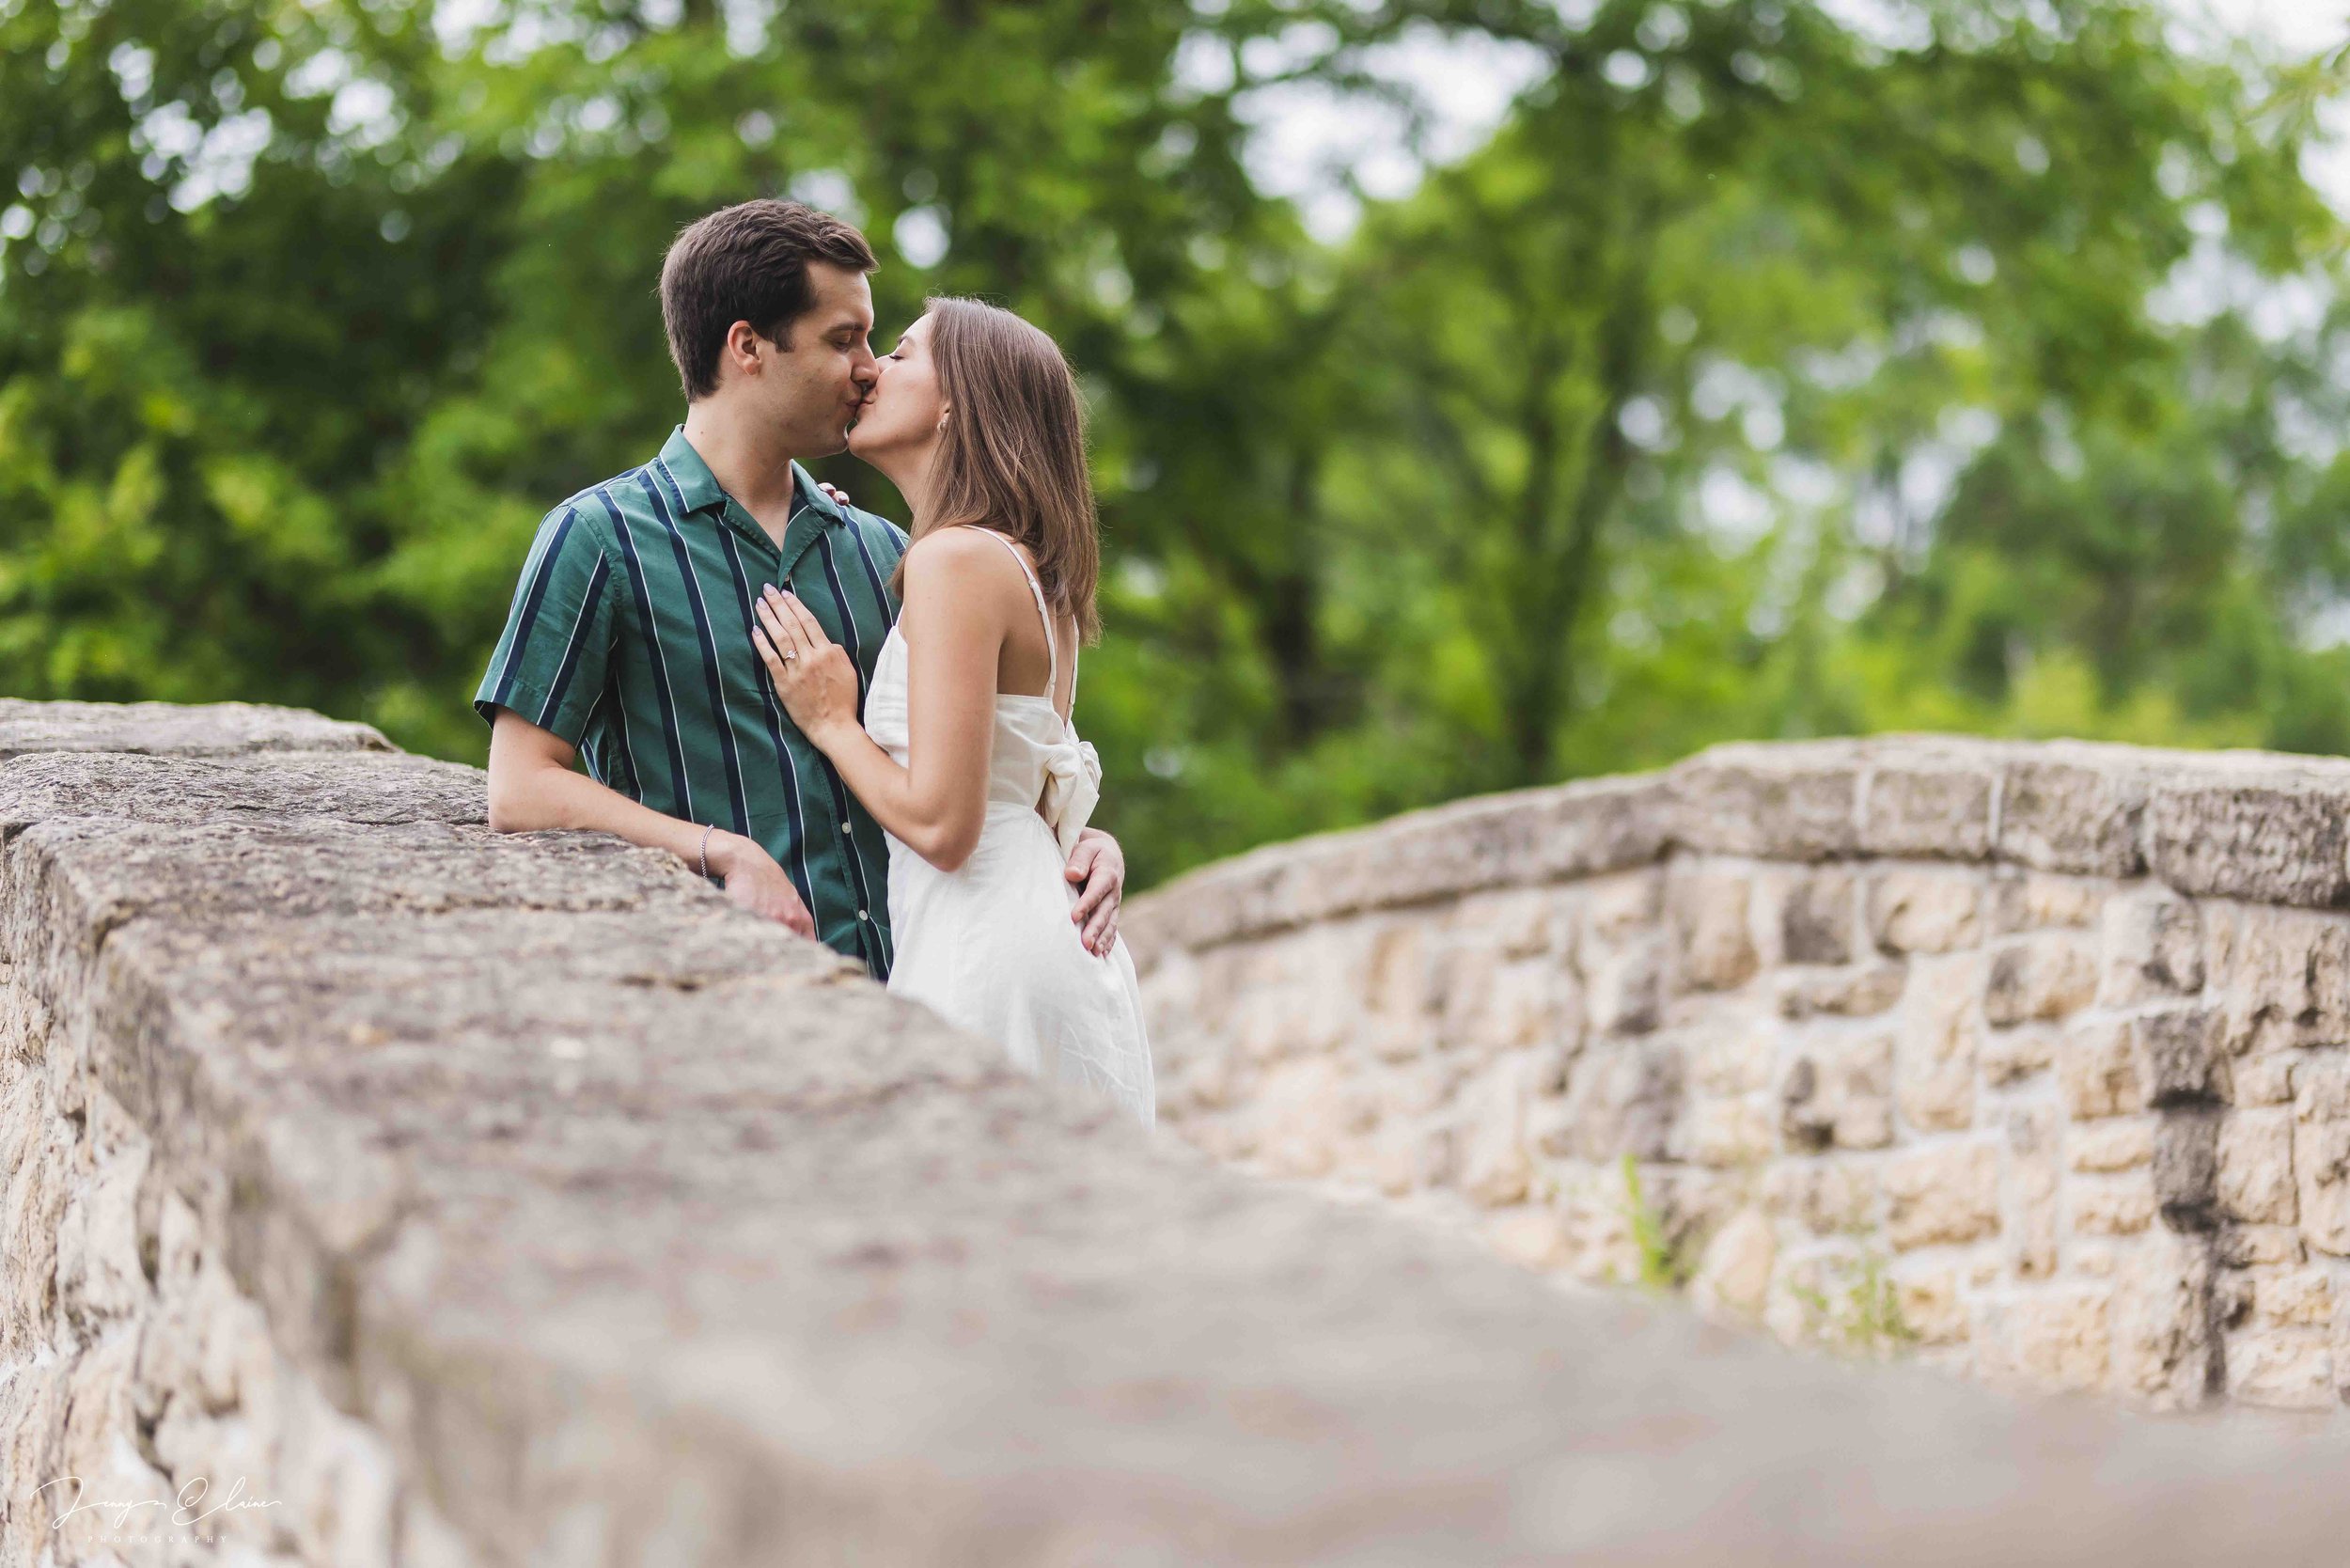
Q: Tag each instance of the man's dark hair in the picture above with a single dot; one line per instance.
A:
(747, 263)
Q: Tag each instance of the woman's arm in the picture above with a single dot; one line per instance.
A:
(954, 619)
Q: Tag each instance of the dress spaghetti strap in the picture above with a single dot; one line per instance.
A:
(1052, 647)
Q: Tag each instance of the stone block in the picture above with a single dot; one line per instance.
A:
(1734, 1275)
(1917, 804)
(2019, 901)
(1534, 1236)
(2073, 809)
(2321, 1152)
(1727, 1133)
(2047, 1338)
(2099, 1070)
(2282, 975)
(2032, 1172)
(2255, 1154)
(1708, 905)
(2111, 1206)
(2285, 1368)
(2010, 1055)
(1626, 1097)
(2292, 1297)
(2045, 977)
(1805, 915)
(2187, 1168)
(2110, 1145)
(1941, 1193)
(1772, 802)
(1827, 1197)
(1928, 909)
(2264, 1078)
(1935, 1063)
(1839, 1095)
(2241, 1246)
(2165, 1350)
(2153, 947)
(1625, 981)
(2183, 1055)
(2273, 840)
(1930, 1302)
(1860, 993)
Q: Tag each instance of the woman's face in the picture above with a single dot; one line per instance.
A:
(902, 414)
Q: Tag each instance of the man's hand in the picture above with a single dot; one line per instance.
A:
(1098, 866)
(753, 880)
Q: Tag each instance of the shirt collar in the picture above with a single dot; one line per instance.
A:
(700, 491)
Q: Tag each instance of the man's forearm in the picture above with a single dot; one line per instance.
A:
(553, 797)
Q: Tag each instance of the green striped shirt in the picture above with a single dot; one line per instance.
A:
(630, 638)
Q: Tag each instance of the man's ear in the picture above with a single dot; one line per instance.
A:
(742, 343)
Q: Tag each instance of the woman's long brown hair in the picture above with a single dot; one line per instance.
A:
(1012, 457)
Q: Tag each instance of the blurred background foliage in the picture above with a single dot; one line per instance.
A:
(1763, 374)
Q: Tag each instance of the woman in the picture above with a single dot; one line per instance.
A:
(967, 755)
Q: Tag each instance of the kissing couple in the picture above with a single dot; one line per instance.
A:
(859, 731)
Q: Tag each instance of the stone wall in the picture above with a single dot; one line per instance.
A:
(2032, 1059)
(415, 1195)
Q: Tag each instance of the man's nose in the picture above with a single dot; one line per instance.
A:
(866, 370)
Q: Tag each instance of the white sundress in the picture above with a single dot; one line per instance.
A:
(991, 945)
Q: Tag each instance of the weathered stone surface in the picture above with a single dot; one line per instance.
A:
(361, 788)
(2274, 836)
(1923, 800)
(1925, 909)
(2034, 1169)
(1839, 1096)
(1934, 1065)
(2099, 1067)
(2048, 1339)
(2182, 1052)
(168, 729)
(2321, 1152)
(2008, 1056)
(1808, 915)
(1734, 1275)
(2288, 1370)
(2187, 1168)
(2110, 1146)
(2153, 947)
(2255, 1154)
(1942, 1194)
(2167, 1349)
(1708, 907)
(1786, 802)
(1841, 992)
(2073, 807)
(2038, 978)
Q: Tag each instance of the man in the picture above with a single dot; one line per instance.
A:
(630, 638)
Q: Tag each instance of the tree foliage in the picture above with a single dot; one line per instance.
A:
(1760, 376)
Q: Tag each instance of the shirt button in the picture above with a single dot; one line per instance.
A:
(862, 915)
(844, 827)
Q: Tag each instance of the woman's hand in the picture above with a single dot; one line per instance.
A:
(812, 674)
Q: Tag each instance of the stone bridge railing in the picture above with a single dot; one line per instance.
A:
(379, 1191)
(2034, 1058)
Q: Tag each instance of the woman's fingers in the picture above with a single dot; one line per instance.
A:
(781, 629)
(767, 654)
(810, 628)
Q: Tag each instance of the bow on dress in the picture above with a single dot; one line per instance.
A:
(1073, 788)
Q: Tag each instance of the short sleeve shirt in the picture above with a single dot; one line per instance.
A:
(630, 638)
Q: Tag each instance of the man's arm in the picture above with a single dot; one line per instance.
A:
(532, 787)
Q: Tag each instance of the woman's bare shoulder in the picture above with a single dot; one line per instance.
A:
(960, 554)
